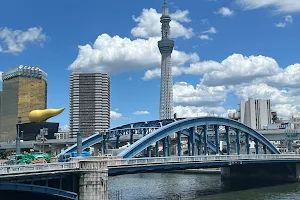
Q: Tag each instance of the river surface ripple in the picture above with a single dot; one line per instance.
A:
(194, 187)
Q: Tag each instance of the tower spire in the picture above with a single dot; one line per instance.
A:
(165, 8)
(166, 46)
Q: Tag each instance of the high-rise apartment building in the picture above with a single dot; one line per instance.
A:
(89, 103)
(256, 113)
(24, 89)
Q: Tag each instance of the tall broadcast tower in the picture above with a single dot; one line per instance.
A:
(166, 46)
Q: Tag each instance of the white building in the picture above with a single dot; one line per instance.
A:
(89, 103)
(256, 113)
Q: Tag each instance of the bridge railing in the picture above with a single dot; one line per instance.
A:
(30, 168)
(183, 159)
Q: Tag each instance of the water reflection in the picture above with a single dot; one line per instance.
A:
(194, 186)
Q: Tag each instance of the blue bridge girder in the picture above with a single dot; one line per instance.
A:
(38, 189)
(134, 128)
(145, 128)
(186, 124)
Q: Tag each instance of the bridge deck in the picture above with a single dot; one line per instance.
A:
(135, 164)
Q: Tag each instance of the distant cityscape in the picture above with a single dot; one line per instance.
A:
(25, 89)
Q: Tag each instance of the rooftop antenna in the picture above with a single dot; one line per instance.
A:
(165, 8)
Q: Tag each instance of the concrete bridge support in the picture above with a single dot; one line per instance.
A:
(281, 172)
(93, 180)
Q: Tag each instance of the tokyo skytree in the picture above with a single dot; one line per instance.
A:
(166, 46)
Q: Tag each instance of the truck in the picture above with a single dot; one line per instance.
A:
(29, 158)
(67, 157)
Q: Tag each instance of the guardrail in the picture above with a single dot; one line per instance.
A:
(18, 169)
(183, 159)
(118, 162)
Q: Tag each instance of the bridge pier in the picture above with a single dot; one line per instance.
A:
(93, 180)
(281, 172)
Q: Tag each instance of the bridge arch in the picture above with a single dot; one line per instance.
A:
(38, 189)
(188, 124)
(135, 128)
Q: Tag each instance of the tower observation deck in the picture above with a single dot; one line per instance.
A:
(166, 46)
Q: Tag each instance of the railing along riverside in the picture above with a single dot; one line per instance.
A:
(115, 162)
(18, 169)
(183, 159)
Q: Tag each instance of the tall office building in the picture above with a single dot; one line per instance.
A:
(256, 113)
(24, 90)
(89, 103)
(166, 46)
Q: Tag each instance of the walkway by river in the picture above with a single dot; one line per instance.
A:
(194, 187)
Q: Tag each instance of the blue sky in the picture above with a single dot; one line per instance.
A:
(225, 51)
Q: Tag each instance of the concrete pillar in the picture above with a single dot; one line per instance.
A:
(93, 180)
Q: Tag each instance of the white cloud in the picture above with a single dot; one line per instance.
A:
(283, 101)
(203, 67)
(115, 115)
(211, 30)
(141, 113)
(289, 77)
(240, 69)
(1, 76)
(287, 20)
(156, 73)
(286, 6)
(263, 91)
(235, 69)
(15, 41)
(188, 95)
(205, 37)
(149, 24)
(115, 54)
(193, 111)
(65, 128)
(287, 110)
(225, 12)
(181, 16)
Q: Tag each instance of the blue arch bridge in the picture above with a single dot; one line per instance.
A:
(87, 178)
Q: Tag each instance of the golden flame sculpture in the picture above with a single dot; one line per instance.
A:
(44, 115)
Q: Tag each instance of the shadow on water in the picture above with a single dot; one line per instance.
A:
(13, 195)
(188, 186)
(278, 192)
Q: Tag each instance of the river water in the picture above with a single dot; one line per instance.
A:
(195, 187)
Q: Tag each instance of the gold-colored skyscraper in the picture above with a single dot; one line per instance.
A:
(24, 90)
